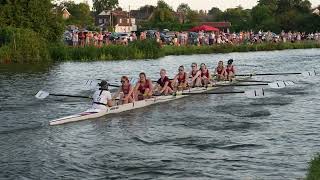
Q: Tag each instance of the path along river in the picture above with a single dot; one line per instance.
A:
(199, 137)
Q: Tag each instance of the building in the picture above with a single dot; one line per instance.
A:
(316, 11)
(143, 14)
(118, 20)
(65, 13)
(222, 26)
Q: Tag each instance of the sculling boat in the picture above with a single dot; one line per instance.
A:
(95, 113)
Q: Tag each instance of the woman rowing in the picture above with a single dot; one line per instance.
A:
(126, 90)
(205, 75)
(220, 71)
(143, 89)
(180, 80)
(163, 84)
(230, 70)
(195, 76)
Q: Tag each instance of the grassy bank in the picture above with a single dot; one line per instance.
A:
(314, 168)
(188, 50)
(23, 46)
(136, 50)
(151, 50)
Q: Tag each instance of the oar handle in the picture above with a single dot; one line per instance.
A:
(112, 85)
(228, 85)
(67, 95)
(226, 92)
(268, 74)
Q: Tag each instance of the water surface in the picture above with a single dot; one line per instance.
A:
(199, 137)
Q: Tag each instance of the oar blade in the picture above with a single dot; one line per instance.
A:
(277, 84)
(133, 81)
(289, 83)
(309, 73)
(256, 93)
(42, 95)
(91, 84)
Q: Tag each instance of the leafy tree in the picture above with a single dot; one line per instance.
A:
(193, 17)
(215, 13)
(183, 9)
(263, 18)
(101, 5)
(33, 14)
(240, 18)
(163, 13)
(80, 13)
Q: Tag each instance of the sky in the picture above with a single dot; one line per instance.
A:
(194, 4)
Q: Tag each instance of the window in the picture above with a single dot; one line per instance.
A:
(100, 21)
(128, 21)
(120, 20)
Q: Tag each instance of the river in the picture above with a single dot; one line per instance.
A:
(198, 137)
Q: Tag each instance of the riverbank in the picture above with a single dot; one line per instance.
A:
(314, 168)
(151, 50)
(141, 50)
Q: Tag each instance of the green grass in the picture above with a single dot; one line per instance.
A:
(226, 48)
(314, 168)
(136, 50)
(32, 49)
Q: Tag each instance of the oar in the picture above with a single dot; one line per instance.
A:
(43, 94)
(274, 85)
(308, 73)
(93, 82)
(257, 81)
(250, 93)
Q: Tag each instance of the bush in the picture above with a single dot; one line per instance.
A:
(22, 46)
(147, 49)
(314, 168)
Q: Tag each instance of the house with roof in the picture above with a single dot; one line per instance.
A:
(142, 14)
(316, 11)
(118, 20)
(65, 13)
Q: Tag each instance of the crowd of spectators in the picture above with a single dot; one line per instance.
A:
(98, 39)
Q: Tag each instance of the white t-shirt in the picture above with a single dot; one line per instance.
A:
(103, 99)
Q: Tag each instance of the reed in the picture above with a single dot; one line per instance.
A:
(22, 46)
(314, 168)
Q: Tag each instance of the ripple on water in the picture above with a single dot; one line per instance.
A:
(200, 137)
(276, 100)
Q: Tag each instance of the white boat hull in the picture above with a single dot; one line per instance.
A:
(95, 113)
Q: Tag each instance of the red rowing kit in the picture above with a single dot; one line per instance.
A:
(163, 81)
(126, 89)
(219, 70)
(230, 69)
(205, 74)
(142, 88)
(182, 79)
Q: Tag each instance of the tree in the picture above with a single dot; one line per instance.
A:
(183, 9)
(80, 13)
(101, 5)
(215, 14)
(193, 17)
(263, 18)
(32, 14)
(240, 18)
(163, 13)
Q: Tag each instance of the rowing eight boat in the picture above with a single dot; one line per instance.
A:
(95, 113)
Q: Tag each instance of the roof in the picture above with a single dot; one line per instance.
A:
(316, 11)
(217, 24)
(114, 13)
(65, 10)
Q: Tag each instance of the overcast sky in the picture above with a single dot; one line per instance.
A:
(194, 4)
